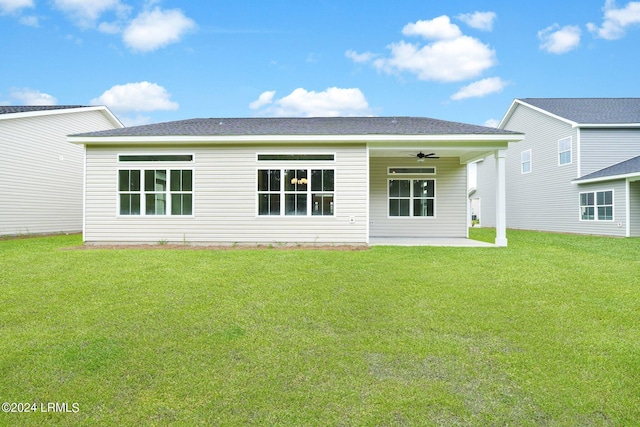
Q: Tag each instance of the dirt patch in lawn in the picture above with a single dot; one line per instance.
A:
(272, 247)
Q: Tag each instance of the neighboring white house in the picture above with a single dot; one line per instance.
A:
(40, 172)
(339, 180)
(577, 169)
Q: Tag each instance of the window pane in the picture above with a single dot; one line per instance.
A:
(605, 197)
(394, 188)
(394, 207)
(327, 180)
(565, 158)
(322, 204)
(156, 204)
(274, 180)
(176, 181)
(187, 180)
(295, 204)
(587, 213)
(404, 207)
(181, 204)
(263, 204)
(423, 207)
(123, 180)
(125, 204)
(316, 180)
(405, 188)
(149, 179)
(605, 213)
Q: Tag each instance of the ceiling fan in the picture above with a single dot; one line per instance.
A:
(421, 156)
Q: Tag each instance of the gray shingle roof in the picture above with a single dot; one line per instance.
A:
(12, 109)
(302, 126)
(631, 166)
(591, 110)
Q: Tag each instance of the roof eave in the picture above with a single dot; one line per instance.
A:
(608, 178)
(517, 102)
(103, 109)
(608, 125)
(253, 139)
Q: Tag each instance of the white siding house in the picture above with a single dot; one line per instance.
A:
(40, 172)
(574, 171)
(282, 180)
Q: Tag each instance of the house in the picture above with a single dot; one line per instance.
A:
(577, 169)
(40, 172)
(339, 180)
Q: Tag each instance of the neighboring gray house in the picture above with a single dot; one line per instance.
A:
(577, 169)
(40, 172)
(342, 180)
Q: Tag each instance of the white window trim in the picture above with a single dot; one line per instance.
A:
(522, 162)
(411, 198)
(595, 206)
(570, 151)
(168, 192)
(160, 162)
(411, 174)
(288, 163)
(292, 165)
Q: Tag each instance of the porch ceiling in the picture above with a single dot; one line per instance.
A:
(465, 154)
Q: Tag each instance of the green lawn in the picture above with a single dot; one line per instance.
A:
(545, 332)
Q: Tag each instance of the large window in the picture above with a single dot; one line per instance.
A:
(155, 192)
(525, 161)
(412, 197)
(297, 192)
(564, 151)
(596, 206)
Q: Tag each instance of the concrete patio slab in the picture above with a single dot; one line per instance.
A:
(416, 241)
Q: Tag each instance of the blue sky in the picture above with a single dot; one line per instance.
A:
(152, 61)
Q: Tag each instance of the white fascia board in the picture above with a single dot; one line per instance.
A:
(496, 141)
(40, 113)
(507, 116)
(628, 176)
(608, 126)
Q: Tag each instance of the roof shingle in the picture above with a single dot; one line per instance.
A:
(631, 166)
(301, 126)
(591, 110)
(12, 109)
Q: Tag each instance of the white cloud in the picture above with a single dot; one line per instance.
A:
(156, 28)
(479, 20)
(332, 102)
(451, 60)
(28, 96)
(265, 98)
(141, 96)
(450, 56)
(616, 20)
(492, 123)
(85, 13)
(480, 88)
(558, 40)
(360, 57)
(13, 6)
(439, 28)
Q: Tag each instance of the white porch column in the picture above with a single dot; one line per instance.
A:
(501, 201)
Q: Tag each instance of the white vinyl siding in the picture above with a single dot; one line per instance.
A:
(450, 200)
(601, 148)
(225, 198)
(41, 173)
